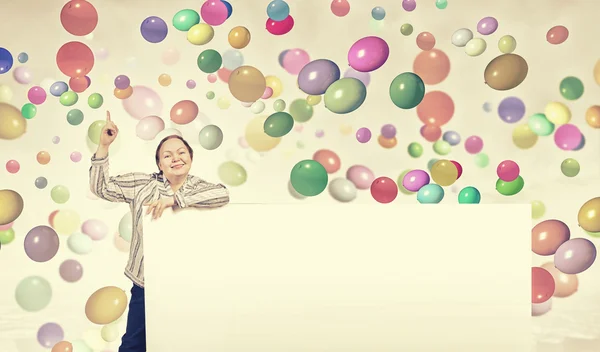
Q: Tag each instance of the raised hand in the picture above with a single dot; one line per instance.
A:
(109, 131)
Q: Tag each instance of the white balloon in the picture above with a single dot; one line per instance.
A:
(342, 190)
(461, 37)
(167, 132)
(475, 47)
(110, 332)
(79, 243)
(538, 309)
(257, 107)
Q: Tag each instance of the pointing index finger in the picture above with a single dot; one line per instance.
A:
(108, 116)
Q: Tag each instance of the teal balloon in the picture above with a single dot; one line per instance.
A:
(209, 61)
(309, 178)
(345, 95)
(407, 90)
(571, 88)
(540, 125)
(510, 188)
(75, 117)
(430, 194)
(185, 19)
(33, 293)
(469, 195)
(279, 124)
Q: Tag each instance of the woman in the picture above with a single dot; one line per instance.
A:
(172, 186)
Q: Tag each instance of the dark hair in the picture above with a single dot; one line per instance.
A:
(187, 145)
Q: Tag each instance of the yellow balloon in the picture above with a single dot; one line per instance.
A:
(313, 100)
(589, 215)
(110, 332)
(6, 94)
(66, 222)
(557, 113)
(164, 80)
(345, 130)
(12, 124)
(200, 34)
(11, 204)
(239, 37)
(223, 103)
(523, 137)
(597, 72)
(256, 137)
(275, 84)
(444, 172)
(507, 44)
(106, 305)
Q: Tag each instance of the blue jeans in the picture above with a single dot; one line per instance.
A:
(134, 339)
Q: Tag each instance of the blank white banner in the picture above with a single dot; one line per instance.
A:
(348, 278)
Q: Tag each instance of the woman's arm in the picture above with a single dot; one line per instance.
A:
(202, 194)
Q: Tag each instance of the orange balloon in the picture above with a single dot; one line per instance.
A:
(432, 66)
(239, 37)
(63, 346)
(592, 116)
(436, 108)
(43, 157)
(79, 84)
(565, 284)
(164, 80)
(184, 112)
(123, 93)
(106, 305)
(548, 235)
(247, 84)
(431, 133)
(387, 143)
(425, 41)
(329, 159)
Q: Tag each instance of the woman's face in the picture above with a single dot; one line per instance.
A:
(174, 158)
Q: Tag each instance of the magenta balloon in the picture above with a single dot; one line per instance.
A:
(94, 228)
(41, 243)
(415, 179)
(361, 176)
(143, 102)
(567, 137)
(575, 256)
(364, 77)
(148, 127)
(368, 54)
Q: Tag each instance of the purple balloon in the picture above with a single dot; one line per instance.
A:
(414, 180)
(316, 76)
(50, 334)
(487, 25)
(568, 137)
(41, 243)
(511, 109)
(575, 256)
(388, 131)
(191, 84)
(122, 82)
(154, 29)
(364, 77)
(452, 137)
(363, 135)
(70, 270)
(368, 54)
(361, 176)
(409, 5)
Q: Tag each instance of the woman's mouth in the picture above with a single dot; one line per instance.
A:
(177, 166)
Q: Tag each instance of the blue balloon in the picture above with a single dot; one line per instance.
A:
(452, 137)
(154, 29)
(581, 144)
(6, 61)
(278, 10)
(281, 56)
(378, 13)
(229, 8)
(23, 58)
(430, 194)
(58, 88)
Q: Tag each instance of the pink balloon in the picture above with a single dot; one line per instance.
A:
(170, 56)
(6, 226)
(294, 60)
(268, 93)
(212, 78)
(95, 228)
(368, 54)
(340, 8)
(143, 102)
(36, 95)
(214, 12)
(148, 127)
(474, 144)
(568, 137)
(508, 171)
(75, 157)
(13, 166)
(280, 27)
(361, 176)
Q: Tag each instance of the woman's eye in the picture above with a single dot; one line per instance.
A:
(181, 153)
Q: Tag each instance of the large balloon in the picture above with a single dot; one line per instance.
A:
(368, 54)
(309, 178)
(345, 95)
(75, 59)
(575, 256)
(12, 124)
(317, 76)
(247, 84)
(407, 90)
(6, 61)
(432, 66)
(33, 293)
(506, 72)
(548, 235)
(256, 137)
(143, 102)
(106, 305)
(79, 17)
(11, 204)
(588, 216)
(41, 243)
(436, 108)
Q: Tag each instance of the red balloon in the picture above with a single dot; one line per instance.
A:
(436, 108)
(431, 133)
(458, 167)
(280, 27)
(79, 17)
(75, 59)
(542, 285)
(384, 190)
(79, 84)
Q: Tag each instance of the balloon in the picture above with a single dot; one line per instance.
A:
(122, 82)
(570, 167)
(75, 59)
(432, 66)
(275, 84)
(95, 229)
(143, 102)
(378, 13)
(361, 176)
(387, 143)
(575, 256)
(214, 12)
(415, 150)
(12, 124)
(482, 160)
(523, 137)
(12, 204)
(548, 235)
(41, 243)
(154, 29)
(33, 293)
(294, 61)
(409, 5)
(461, 37)
(200, 34)
(508, 170)
(13, 166)
(565, 284)
(431, 132)
(232, 173)
(541, 308)
(487, 25)
(185, 19)
(430, 194)
(229, 8)
(425, 41)
(43, 157)
(70, 270)
(329, 159)
(60, 194)
(557, 113)
(363, 135)
(79, 243)
(6, 60)
(106, 305)
(279, 124)
(444, 172)
(109, 333)
(300, 110)
(278, 10)
(469, 195)
(475, 47)
(23, 75)
(557, 35)
(95, 130)
(95, 100)
(211, 137)
(384, 190)
(342, 190)
(280, 27)
(256, 137)
(7, 236)
(247, 84)
(36, 95)
(209, 61)
(436, 108)
(511, 109)
(63, 346)
(368, 54)
(340, 8)
(317, 76)
(542, 285)
(79, 84)
(407, 90)
(184, 112)
(510, 188)
(50, 334)
(58, 88)
(79, 17)
(406, 29)
(540, 125)
(239, 37)
(41, 182)
(148, 127)
(309, 178)
(505, 72)
(66, 222)
(507, 44)
(414, 180)
(571, 88)
(233, 59)
(588, 216)
(592, 116)
(345, 95)
(567, 137)
(537, 209)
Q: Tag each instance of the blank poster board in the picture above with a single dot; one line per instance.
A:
(348, 278)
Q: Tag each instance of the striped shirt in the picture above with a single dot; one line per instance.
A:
(137, 189)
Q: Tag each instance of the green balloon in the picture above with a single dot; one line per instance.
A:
(345, 95)
(7, 236)
(441, 4)
(300, 110)
(300, 144)
(279, 105)
(510, 188)
(185, 19)
(95, 130)
(401, 185)
(407, 90)
(33, 293)
(482, 160)
(538, 209)
(29, 111)
(570, 167)
(209, 61)
(95, 100)
(60, 194)
(279, 124)
(309, 178)
(68, 98)
(540, 125)
(415, 150)
(75, 117)
(469, 195)
(210, 95)
(232, 173)
(593, 234)
(406, 29)
(441, 147)
(571, 88)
